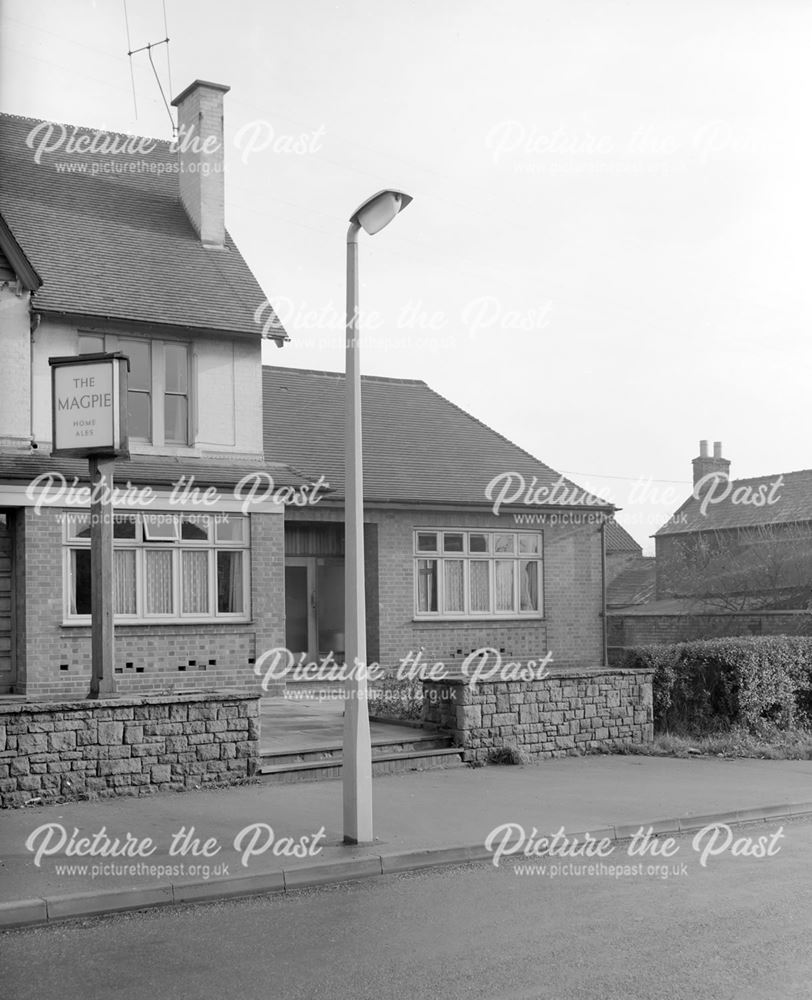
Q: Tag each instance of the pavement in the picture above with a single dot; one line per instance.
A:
(214, 844)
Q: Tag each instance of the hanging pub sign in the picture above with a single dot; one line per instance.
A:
(89, 405)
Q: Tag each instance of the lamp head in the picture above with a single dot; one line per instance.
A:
(379, 210)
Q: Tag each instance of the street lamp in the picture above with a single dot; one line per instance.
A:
(375, 213)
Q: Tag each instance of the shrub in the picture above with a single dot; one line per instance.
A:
(717, 683)
(508, 754)
(394, 699)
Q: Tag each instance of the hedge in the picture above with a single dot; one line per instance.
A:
(714, 683)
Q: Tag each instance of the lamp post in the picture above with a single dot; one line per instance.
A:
(375, 213)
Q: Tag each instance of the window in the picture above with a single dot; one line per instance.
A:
(478, 574)
(158, 405)
(168, 567)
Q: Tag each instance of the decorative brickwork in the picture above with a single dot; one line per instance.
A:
(126, 746)
(560, 715)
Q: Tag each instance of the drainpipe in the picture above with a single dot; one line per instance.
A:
(34, 322)
(603, 592)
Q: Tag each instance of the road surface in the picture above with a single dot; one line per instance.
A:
(738, 928)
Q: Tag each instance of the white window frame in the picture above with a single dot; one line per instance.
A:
(211, 545)
(157, 391)
(467, 557)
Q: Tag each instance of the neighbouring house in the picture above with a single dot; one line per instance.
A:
(445, 574)
(125, 248)
(629, 574)
(739, 544)
(734, 559)
(119, 243)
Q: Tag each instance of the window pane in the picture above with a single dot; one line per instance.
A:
(139, 423)
(194, 527)
(426, 584)
(195, 582)
(124, 582)
(176, 419)
(503, 572)
(124, 526)
(426, 541)
(177, 368)
(91, 345)
(452, 543)
(503, 543)
(80, 579)
(478, 543)
(158, 582)
(453, 593)
(480, 586)
(528, 543)
(229, 583)
(160, 528)
(231, 528)
(529, 580)
(140, 374)
(78, 524)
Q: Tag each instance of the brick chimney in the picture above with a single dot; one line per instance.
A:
(201, 149)
(705, 463)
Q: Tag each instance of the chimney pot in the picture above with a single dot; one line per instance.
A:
(200, 150)
(705, 465)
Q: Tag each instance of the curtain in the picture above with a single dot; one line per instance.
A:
(480, 586)
(426, 584)
(529, 576)
(503, 573)
(229, 582)
(158, 582)
(195, 582)
(80, 589)
(124, 582)
(453, 592)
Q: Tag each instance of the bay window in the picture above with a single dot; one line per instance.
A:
(478, 574)
(167, 566)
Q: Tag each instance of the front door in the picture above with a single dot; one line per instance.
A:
(7, 666)
(314, 607)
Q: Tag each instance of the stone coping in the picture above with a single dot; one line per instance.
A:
(562, 673)
(125, 701)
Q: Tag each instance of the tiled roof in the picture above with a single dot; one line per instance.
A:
(619, 540)
(633, 585)
(788, 499)
(158, 471)
(418, 446)
(119, 244)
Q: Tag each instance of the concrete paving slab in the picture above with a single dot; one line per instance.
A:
(290, 725)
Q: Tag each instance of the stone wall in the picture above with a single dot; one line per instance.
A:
(126, 746)
(559, 715)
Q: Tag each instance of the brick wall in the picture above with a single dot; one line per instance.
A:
(559, 715)
(126, 746)
(572, 626)
(54, 659)
(625, 631)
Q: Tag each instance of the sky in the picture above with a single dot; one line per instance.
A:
(608, 251)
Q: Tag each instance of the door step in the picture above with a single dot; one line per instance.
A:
(419, 754)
